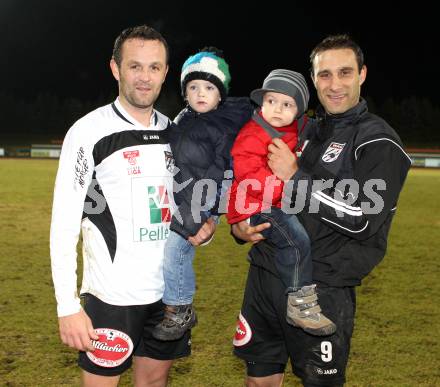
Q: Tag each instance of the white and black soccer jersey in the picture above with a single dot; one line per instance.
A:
(114, 183)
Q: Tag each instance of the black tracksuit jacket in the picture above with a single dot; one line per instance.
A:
(201, 144)
(345, 151)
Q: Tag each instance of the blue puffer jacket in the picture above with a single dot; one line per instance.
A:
(201, 145)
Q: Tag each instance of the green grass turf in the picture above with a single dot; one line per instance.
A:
(397, 333)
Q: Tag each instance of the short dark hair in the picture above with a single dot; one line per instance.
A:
(333, 42)
(143, 32)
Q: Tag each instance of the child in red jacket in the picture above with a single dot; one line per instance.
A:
(256, 193)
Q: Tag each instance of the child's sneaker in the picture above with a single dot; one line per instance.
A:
(177, 320)
(304, 312)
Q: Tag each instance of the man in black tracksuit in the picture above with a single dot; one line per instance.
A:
(346, 182)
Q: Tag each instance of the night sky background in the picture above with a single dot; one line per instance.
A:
(62, 48)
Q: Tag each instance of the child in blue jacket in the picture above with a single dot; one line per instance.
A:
(201, 142)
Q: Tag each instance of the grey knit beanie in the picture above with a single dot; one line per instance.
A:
(286, 82)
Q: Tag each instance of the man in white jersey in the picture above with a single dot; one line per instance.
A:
(114, 184)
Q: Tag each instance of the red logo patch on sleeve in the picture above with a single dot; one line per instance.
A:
(111, 349)
(243, 332)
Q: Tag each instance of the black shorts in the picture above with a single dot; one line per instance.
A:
(265, 340)
(127, 332)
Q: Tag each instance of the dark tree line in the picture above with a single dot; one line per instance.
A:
(47, 117)
(416, 119)
(44, 118)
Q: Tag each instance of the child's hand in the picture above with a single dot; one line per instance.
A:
(281, 160)
(244, 231)
(204, 234)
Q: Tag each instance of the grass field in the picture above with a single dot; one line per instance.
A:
(397, 334)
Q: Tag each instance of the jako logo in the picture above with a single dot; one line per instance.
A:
(326, 372)
(159, 204)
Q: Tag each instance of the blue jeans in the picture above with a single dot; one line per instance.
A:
(178, 272)
(292, 258)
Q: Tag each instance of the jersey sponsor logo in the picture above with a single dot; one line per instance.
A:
(153, 233)
(169, 161)
(159, 204)
(159, 213)
(131, 157)
(243, 332)
(152, 208)
(332, 152)
(111, 349)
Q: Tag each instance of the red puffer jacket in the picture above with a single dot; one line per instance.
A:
(255, 187)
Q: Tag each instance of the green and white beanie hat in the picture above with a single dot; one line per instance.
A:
(208, 66)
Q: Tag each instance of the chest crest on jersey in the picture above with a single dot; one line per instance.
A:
(332, 152)
(131, 156)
